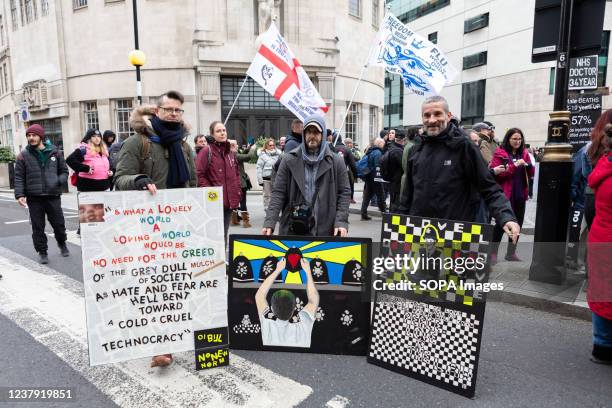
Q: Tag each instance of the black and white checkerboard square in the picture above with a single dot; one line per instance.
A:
(426, 341)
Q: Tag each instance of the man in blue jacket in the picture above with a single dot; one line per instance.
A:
(40, 173)
(373, 186)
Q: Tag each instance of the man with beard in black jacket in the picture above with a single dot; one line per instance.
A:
(446, 176)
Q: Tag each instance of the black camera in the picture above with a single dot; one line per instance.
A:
(301, 219)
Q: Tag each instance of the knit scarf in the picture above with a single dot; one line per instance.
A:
(44, 154)
(170, 136)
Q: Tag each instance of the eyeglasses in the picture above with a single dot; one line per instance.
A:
(178, 111)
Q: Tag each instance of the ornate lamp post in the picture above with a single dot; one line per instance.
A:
(137, 57)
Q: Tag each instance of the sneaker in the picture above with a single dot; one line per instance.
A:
(43, 258)
(64, 250)
(601, 355)
(513, 258)
(365, 218)
(353, 201)
(161, 361)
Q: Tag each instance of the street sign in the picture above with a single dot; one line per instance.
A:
(583, 73)
(586, 29)
(585, 109)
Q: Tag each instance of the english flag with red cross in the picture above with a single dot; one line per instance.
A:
(277, 70)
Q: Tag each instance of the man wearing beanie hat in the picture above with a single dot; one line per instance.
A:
(40, 173)
(311, 188)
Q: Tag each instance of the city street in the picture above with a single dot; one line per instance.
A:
(529, 358)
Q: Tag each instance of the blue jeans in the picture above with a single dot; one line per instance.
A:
(602, 331)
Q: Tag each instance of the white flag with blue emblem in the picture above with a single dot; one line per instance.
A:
(424, 68)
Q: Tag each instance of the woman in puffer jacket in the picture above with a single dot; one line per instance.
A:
(265, 166)
(514, 181)
(90, 162)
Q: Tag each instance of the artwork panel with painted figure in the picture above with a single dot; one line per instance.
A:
(272, 306)
(432, 333)
(153, 270)
(423, 67)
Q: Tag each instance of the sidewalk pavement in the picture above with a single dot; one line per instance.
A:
(568, 299)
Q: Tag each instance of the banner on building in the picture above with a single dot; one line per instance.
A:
(429, 313)
(279, 72)
(300, 294)
(153, 270)
(424, 68)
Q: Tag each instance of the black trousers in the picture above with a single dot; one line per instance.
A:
(370, 190)
(498, 232)
(243, 203)
(51, 206)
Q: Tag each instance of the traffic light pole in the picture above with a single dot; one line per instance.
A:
(548, 261)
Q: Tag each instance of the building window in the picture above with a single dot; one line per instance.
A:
(416, 8)
(394, 101)
(352, 122)
(551, 82)
(123, 108)
(78, 4)
(30, 11)
(44, 7)
(603, 59)
(253, 96)
(2, 38)
(375, 12)
(373, 119)
(433, 37)
(90, 112)
(8, 131)
(14, 17)
(476, 23)
(5, 78)
(475, 60)
(1, 80)
(355, 8)
(472, 102)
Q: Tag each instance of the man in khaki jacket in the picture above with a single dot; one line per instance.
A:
(487, 142)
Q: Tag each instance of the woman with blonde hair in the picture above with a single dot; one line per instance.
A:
(265, 165)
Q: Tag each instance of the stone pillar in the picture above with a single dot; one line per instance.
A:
(209, 96)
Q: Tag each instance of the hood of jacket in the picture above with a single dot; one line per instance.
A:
(140, 120)
(308, 158)
(602, 171)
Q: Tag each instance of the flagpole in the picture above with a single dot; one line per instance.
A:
(357, 86)
(235, 99)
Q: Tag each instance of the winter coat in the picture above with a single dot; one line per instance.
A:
(292, 141)
(409, 143)
(332, 198)
(265, 164)
(488, 146)
(220, 168)
(505, 178)
(33, 178)
(446, 178)
(599, 293)
(245, 180)
(348, 157)
(394, 164)
(130, 164)
(81, 164)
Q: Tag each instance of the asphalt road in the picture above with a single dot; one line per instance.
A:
(528, 358)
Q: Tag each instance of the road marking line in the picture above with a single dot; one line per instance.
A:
(16, 222)
(50, 306)
(338, 402)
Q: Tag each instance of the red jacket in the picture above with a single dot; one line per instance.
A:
(504, 179)
(599, 293)
(222, 171)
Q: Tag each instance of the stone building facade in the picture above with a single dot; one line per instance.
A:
(64, 63)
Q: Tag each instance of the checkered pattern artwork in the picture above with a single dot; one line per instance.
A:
(443, 352)
(450, 240)
(432, 335)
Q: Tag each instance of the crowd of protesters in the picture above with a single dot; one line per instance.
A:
(439, 169)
